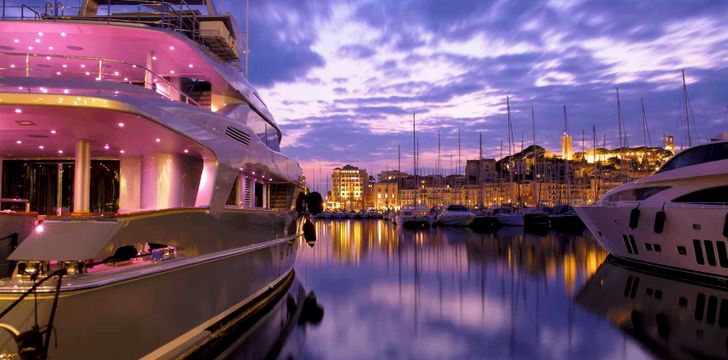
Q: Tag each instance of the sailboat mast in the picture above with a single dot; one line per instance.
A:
(459, 160)
(621, 142)
(594, 152)
(535, 189)
(687, 116)
(645, 128)
(414, 157)
(510, 151)
(566, 161)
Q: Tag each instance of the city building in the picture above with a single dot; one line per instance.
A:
(349, 185)
(480, 171)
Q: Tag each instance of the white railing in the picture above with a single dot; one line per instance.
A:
(34, 65)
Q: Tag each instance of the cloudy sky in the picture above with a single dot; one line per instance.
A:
(344, 77)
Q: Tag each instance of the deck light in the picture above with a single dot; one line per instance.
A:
(171, 72)
(43, 90)
(48, 57)
(20, 88)
(191, 66)
(53, 131)
(40, 34)
(171, 48)
(19, 142)
(37, 41)
(63, 34)
(154, 57)
(66, 91)
(58, 73)
(121, 151)
(126, 79)
(116, 73)
(83, 66)
(40, 228)
(158, 140)
(60, 151)
(88, 73)
(12, 66)
(186, 151)
(253, 173)
(50, 48)
(121, 124)
(64, 66)
(18, 111)
(16, 41)
(30, 48)
(106, 147)
(41, 147)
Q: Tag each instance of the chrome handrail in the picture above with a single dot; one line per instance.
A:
(100, 77)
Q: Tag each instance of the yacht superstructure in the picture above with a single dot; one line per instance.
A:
(152, 172)
(676, 218)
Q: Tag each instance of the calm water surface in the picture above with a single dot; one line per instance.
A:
(442, 293)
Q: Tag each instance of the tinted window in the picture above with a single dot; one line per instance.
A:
(716, 195)
(636, 194)
(457, 208)
(698, 155)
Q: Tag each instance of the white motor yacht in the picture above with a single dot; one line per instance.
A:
(414, 216)
(455, 215)
(676, 218)
(507, 216)
(164, 205)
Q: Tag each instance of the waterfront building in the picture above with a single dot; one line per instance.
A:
(480, 171)
(349, 185)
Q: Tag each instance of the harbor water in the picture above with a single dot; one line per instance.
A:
(393, 293)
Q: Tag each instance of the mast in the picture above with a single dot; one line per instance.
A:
(594, 152)
(621, 142)
(536, 191)
(399, 173)
(414, 157)
(687, 116)
(459, 160)
(566, 161)
(645, 128)
(247, 38)
(510, 151)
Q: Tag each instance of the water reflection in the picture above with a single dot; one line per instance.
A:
(673, 318)
(454, 293)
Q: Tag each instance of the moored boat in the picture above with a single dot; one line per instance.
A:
(414, 216)
(455, 215)
(160, 191)
(676, 218)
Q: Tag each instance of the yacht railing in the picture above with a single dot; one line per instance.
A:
(174, 15)
(87, 67)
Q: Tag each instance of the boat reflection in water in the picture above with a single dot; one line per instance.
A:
(276, 330)
(673, 318)
(454, 293)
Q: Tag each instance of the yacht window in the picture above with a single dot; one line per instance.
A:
(716, 195)
(636, 194)
(697, 155)
(457, 208)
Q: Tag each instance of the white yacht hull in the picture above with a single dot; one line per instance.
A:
(510, 219)
(456, 219)
(692, 238)
(161, 309)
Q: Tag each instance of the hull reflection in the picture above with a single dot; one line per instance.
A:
(673, 318)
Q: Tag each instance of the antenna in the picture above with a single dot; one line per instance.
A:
(687, 116)
(645, 128)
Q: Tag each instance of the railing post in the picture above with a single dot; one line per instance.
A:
(27, 65)
(101, 70)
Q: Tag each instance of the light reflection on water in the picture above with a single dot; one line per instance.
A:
(454, 293)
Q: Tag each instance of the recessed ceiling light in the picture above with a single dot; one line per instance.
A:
(88, 73)
(64, 66)
(154, 57)
(121, 151)
(191, 66)
(16, 41)
(53, 131)
(50, 48)
(116, 73)
(60, 151)
(18, 111)
(40, 34)
(171, 47)
(12, 66)
(58, 73)
(186, 151)
(30, 48)
(37, 41)
(43, 90)
(19, 142)
(121, 124)
(106, 147)
(41, 147)
(158, 140)
(171, 72)
(83, 66)
(48, 57)
(253, 172)
(126, 79)
(66, 91)
(63, 34)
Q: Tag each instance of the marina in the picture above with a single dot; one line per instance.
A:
(247, 179)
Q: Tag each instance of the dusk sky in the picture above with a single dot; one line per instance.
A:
(342, 78)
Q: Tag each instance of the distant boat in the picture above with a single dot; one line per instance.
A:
(564, 217)
(455, 215)
(507, 216)
(414, 216)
